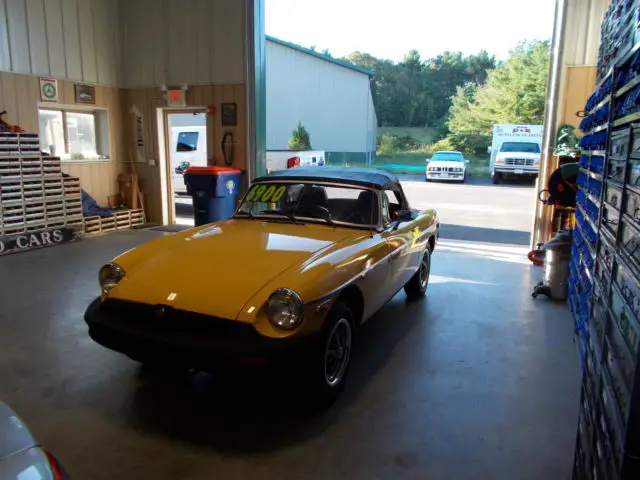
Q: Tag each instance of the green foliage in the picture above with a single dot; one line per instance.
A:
(300, 139)
(567, 141)
(417, 93)
(444, 144)
(515, 92)
(420, 135)
(389, 143)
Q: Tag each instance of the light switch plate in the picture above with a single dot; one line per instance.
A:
(152, 162)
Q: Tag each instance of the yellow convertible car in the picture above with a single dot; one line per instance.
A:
(309, 255)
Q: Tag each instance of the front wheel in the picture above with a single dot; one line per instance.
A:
(496, 178)
(332, 359)
(416, 287)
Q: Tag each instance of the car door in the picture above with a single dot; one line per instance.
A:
(399, 238)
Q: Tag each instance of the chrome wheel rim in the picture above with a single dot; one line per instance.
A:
(337, 352)
(424, 272)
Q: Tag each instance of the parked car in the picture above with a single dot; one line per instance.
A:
(21, 456)
(447, 166)
(308, 257)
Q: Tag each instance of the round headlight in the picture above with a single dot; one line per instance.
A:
(109, 276)
(284, 309)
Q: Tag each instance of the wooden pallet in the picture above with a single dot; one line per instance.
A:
(121, 220)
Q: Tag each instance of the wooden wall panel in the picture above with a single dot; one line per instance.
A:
(578, 84)
(20, 95)
(147, 101)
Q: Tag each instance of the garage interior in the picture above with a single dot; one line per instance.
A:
(477, 381)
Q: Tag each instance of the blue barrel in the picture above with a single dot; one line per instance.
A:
(214, 191)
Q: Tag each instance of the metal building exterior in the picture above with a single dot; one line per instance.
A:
(330, 97)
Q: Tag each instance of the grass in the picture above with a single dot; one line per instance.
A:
(421, 135)
(414, 163)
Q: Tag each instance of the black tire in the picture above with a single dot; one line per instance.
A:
(326, 379)
(496, 178)
(416, 287)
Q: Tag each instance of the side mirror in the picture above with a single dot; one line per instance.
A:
(427, 160)
(467, 162)
(401, 216)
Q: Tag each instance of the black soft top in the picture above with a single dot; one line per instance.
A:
(365, 177)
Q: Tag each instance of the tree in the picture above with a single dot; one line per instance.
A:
(515, 92)
(300, 139)
(418, 93)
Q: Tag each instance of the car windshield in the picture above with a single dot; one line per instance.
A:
(449, 156)
(521, 147)
(349, 206)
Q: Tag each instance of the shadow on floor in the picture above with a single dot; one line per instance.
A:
(260, 414)
(481, 234)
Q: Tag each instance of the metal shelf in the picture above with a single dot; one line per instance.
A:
(632, 117)
(588, 219)
(606, 100)
(594, 175)
(600, 128)
(628, 86)
(594, 153)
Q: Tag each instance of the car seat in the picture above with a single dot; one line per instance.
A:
(367, 207)
(311, 198)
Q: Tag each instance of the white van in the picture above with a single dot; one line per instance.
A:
(283, 159)
(188, 149)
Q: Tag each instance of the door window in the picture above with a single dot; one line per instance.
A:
(187, 142)
(390, 198)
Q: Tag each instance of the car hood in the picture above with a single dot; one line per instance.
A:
(532, 156)
(446, 164)
(215, 270)
(14, 434)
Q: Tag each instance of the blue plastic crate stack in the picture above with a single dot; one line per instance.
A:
(604, 283)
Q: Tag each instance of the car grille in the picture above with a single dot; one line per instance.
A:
(519, 161)
(164, 319)
(446, 169)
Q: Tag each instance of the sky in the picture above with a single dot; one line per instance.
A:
(392, 28)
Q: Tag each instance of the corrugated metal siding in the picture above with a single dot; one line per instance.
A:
(66, 39)
(172, 42)
(582, 31)
(332, 102)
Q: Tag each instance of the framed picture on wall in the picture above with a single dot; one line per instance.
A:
(85, 94)
(229, 114)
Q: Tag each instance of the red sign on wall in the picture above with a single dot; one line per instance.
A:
(176, 97)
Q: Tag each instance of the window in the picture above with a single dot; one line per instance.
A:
(309, 202)
(450, 156)
(187, 142)
(520, 147)
(74, 134)
(391, 204)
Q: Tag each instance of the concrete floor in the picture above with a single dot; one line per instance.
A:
(477, 381)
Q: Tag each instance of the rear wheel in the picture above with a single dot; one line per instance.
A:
(416, 287)
(332, 359)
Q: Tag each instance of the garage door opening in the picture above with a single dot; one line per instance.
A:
(469, 109)
(186, 147)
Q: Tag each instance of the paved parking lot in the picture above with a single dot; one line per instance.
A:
(475, 211)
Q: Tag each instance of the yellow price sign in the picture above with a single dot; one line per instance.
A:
(264, 193)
